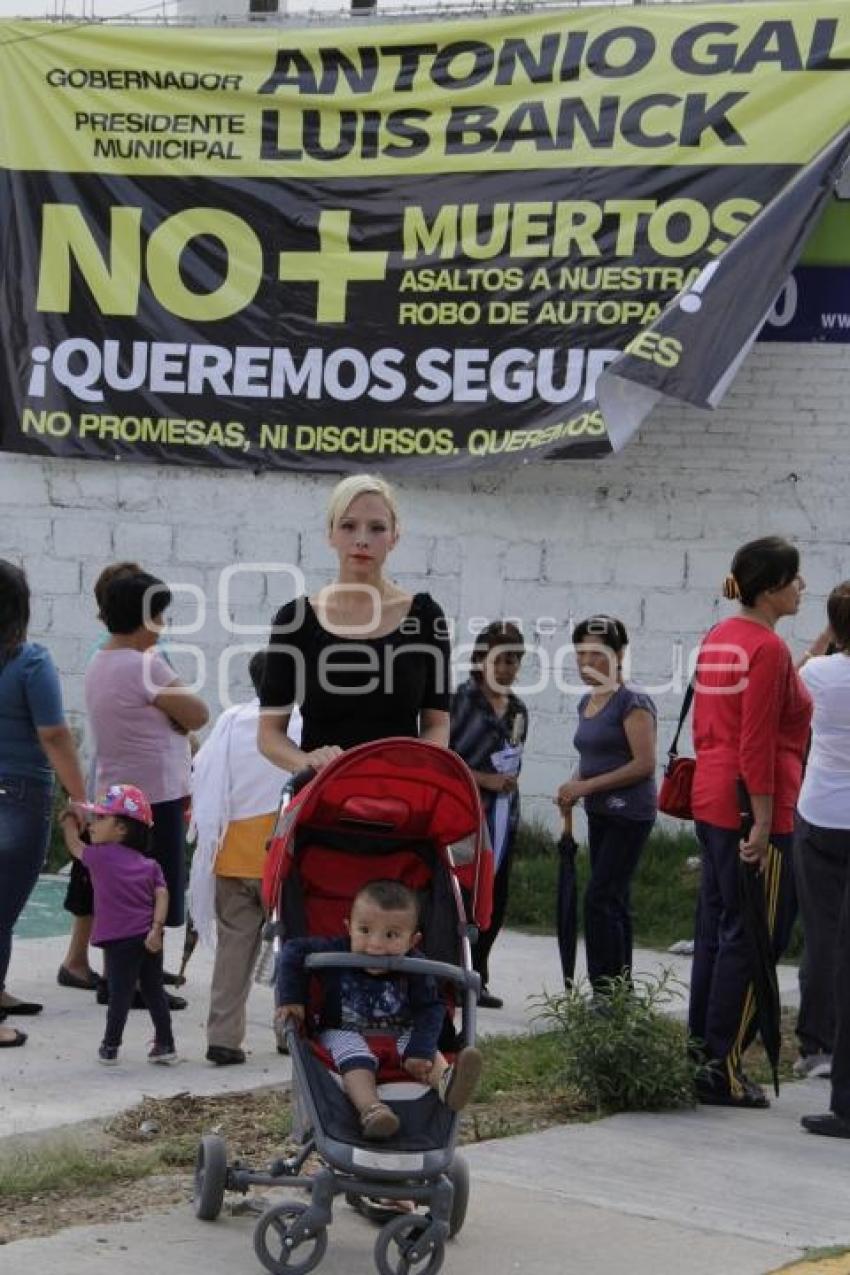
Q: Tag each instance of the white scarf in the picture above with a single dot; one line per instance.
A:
(230, 780)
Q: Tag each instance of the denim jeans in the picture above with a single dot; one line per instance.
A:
(24, 833)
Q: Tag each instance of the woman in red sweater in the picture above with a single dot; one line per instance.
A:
(751, 721)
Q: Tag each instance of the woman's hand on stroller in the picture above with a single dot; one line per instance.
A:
(321, 757)
(283, 1012)
(420, 1069)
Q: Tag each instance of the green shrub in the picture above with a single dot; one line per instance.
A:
(534, 841)
(622, 1051)
(664, 890)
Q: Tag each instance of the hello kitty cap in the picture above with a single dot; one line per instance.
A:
(123, 800)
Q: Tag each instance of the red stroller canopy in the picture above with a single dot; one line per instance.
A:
(397, 788)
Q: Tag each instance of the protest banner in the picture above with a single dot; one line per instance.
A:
(423, 246)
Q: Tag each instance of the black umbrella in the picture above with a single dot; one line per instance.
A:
(755, 887)
(190, 942)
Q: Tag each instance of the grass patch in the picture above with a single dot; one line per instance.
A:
(664, 890)
(60, 1166)
(142, 1159)
(518, 1064)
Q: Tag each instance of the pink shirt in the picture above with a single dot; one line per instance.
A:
(134, 740)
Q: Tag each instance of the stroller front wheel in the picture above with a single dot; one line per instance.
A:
(458, 1174)
(397, 1244)
(280, 1231)
(210, 1177)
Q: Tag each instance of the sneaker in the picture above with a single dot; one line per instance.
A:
(460, 1079)
(162, 1054)
(819, 1066)
(108, 1055)
(486, 999)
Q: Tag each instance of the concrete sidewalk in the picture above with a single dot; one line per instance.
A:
(56, 1080)
(703, 1192)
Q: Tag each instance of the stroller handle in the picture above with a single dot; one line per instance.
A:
(298, 780)
(396, 965)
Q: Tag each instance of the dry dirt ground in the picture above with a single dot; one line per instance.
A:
(151, 1149)
(144, 1157)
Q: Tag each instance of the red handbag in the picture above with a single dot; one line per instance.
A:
(674, 795)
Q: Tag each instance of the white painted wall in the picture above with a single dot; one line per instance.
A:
(647, 535)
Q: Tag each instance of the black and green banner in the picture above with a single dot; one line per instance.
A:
(421, 245)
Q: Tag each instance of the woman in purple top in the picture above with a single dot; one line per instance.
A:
(130, 906)
(616, 745)
(34, 742)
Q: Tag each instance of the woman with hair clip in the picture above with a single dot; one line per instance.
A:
(751, 724)
(616, 744)
(363, 658)
(488, 730)
(34, 742)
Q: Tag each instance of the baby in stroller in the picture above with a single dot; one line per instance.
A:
(359, 1004)
(373, 852)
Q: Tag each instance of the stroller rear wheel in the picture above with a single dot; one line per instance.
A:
(210, 1177)
(278, 1234)
(394, 1247)
(458, 1174)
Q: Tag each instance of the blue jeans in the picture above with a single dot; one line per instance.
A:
(24, 833)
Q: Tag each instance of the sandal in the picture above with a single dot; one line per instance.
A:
(378, 1122)
(460, 1079)
(18, 1038)
(66, 979)
(21, 1007)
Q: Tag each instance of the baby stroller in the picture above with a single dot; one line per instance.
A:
(401, 809)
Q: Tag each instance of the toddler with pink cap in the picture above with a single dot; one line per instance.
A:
(130, 907)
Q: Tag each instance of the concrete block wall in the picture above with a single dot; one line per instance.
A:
(646, 535)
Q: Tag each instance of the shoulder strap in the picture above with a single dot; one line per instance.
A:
(686, 708)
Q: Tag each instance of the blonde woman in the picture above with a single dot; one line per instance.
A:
(362, 658)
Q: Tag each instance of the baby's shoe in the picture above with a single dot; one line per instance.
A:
(460, 1079)
(378, 1122)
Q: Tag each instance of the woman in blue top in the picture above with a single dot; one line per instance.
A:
(34, 741)
(616, 744)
